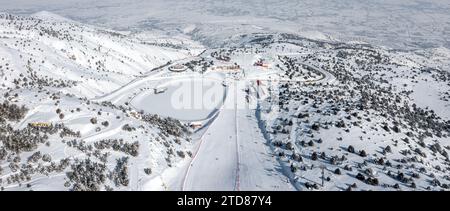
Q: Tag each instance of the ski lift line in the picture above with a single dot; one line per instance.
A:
(237, 186)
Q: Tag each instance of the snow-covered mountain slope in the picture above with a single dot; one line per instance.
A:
(52, 137)
(46, 49)
(382, 124)
(60, 142)
(86, 108)
(372, 118)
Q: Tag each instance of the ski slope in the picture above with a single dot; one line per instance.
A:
(234, 155)
(215, 164)
(259, 168)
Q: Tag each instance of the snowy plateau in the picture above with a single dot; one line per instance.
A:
(227, 96)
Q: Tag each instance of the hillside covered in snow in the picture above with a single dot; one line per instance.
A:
(167, 102)
(53, 135)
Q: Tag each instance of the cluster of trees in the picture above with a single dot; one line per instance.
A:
(26, 139)
(118, 145)
(11, 112)
(86, 175)
(120, 173)
(222, 54)
(294, 69)
(89, 175)
(166, 45)
(22, 173)
(35, 81)
(200, 65)
(67, 132)
(167, 125)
